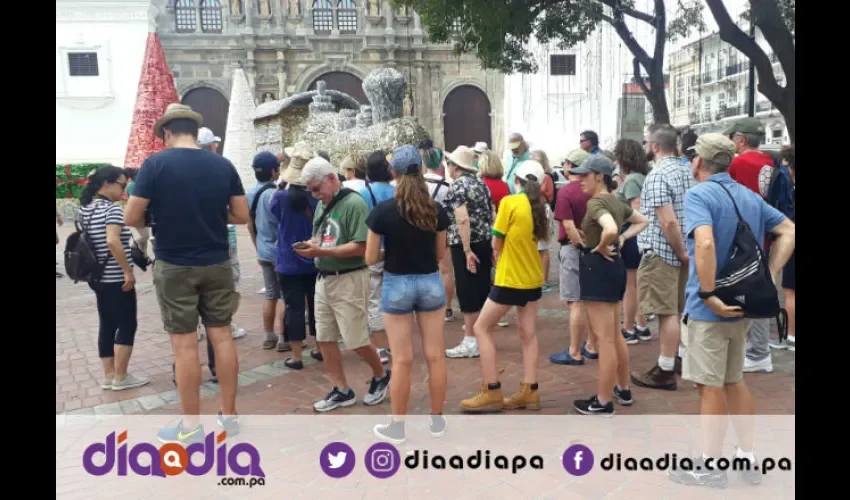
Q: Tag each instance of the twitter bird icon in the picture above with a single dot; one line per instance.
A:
(337, 460)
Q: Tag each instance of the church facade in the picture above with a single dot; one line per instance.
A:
(286, 46)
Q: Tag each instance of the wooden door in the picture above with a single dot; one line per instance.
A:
(343, 82)
(466, 118)
(213, 107)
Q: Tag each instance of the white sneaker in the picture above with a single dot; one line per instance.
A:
(261, 291)
(238, 333)
(466, 349)
(384, 354)
(765, 365)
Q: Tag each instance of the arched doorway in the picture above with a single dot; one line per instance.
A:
(213, 107)
(343, 82)
(466, 117)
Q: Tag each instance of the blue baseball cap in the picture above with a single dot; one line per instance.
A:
(406, 160)
(265, 161)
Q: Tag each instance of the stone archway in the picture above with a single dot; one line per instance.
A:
(213, 106)
(343, 82)
(466, 117)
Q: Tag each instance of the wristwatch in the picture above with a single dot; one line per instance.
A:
(705, 295)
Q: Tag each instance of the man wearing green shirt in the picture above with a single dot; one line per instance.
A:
(519, 153)
(342, 287)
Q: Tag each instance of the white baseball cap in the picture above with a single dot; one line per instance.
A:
(531, 170)
(206, 137)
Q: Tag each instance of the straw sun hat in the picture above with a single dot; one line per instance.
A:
(464, 158)
(300, 154)
(173, 112)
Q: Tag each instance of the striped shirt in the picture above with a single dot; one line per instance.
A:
(94, 218)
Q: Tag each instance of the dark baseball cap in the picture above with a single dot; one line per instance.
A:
(265, 161)
(596, 164)
(747, 125)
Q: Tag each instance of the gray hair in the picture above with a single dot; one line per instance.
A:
(317, 169)
(753, 140)
(665, 136)
(715, 167)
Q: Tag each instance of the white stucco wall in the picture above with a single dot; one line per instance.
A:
(552, 111)
(94, 113)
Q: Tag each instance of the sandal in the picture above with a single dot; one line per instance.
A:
(292, 364)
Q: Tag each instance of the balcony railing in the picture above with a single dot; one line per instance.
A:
(708, 77)
(734, 69)
(764, 106)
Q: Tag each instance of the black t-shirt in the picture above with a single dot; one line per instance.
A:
(189, 192)
(407, 249)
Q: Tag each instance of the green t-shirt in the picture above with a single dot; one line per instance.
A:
(631, 188)
(129, 188)
(347, 223)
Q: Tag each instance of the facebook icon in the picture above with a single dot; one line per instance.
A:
(577, 460)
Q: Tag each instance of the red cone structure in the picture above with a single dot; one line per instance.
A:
(156, 92)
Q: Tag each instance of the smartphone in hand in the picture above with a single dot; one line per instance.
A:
(300, 245)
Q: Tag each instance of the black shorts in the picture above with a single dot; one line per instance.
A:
(472, 289)
(601, 280)
(789, 280)
(631, 253)
(514, 296)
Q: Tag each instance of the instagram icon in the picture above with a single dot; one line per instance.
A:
(382, 460)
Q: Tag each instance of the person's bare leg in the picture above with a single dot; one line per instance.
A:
(490, 314)
(333, 364)
(108, 368)
(269, 313)
(671, 332)
(578, 325)
(741, 406)
(122, 360)
(400, 332)
(297, 346)
(431, 328)
(602, 321)
(226, 366)
(448, 276)
(527, 324)
(714, 419)
(630, 301)
(370, 356)
(188, 374)
(469, 320)
(623, 373)
(380, 340)
(791, 307)
(592, 341)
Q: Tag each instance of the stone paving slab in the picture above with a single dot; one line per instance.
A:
(268, 387)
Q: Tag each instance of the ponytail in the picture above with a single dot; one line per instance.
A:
(96, 180)
(610, 183)
(534, 193)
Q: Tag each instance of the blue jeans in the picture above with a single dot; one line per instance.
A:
(407, 293)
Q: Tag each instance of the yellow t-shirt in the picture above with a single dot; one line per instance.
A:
(519, 263)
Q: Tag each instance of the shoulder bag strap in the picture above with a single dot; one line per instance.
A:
(374, 200)
(340, 195)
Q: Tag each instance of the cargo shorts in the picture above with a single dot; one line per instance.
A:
(185, 293)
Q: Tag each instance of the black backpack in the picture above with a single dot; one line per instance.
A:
(745, 280)
(252, 212)
(439, 182)
(81, 263)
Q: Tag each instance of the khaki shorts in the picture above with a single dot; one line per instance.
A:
(376, 281)
(341, 305)
(715, 352)
(186, 292)
(661, 287)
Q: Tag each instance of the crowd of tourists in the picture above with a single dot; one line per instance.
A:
(365, 253)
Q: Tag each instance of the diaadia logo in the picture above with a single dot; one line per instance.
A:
(172, 459)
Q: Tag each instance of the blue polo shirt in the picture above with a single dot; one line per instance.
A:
(707, 204)
(266, 222)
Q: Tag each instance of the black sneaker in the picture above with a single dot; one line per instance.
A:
(392, 432)
(624, 397)
(643, 334)
(450, 316)
(335, 399)
(631, 337)
(593, 407)
(700, 475)
(378, 390)
(214, 378)
(438, 425)
(749, 470)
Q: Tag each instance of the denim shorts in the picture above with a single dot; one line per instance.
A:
(407, 293)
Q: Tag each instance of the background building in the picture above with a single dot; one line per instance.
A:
(99, 49)
(577, 89)
(285, 46)
(709, 82)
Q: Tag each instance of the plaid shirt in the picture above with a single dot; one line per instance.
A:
(666, 184)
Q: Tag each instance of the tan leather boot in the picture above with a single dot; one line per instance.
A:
(524, 399)
(486, 400)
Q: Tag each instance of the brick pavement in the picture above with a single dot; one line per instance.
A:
(268, 387)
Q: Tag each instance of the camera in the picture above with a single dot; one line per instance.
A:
(383, 460)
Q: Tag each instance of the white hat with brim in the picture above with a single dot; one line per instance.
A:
(300, 150)
(480, 147)
(292, 174)
(514, 145)
(176, 111)
(463, 157)
(289, 151)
